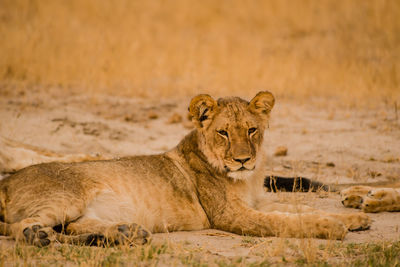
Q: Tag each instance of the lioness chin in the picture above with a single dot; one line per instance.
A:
(210, 180)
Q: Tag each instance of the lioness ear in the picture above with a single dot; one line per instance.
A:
(201, 110)
(262, 103)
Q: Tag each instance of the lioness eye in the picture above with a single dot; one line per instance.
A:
(223, 133)
(252, 130)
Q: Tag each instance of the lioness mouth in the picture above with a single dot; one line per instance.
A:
(238, 170)
(244, 169)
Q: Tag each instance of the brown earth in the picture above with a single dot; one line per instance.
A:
(325, 140)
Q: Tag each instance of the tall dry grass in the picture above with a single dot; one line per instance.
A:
(293, 47)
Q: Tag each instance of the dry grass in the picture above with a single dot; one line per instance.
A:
(305, 252)
(146, 48)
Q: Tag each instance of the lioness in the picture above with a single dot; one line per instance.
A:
(209, 180)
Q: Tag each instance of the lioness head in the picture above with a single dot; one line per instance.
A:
(231, 130)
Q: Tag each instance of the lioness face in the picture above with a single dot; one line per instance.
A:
(231, 131)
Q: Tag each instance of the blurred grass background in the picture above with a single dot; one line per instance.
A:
(295, 48)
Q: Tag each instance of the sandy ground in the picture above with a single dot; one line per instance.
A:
(326, 140)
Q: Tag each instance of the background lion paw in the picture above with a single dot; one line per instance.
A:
(352, 197)
(352, 201)
(382, 199)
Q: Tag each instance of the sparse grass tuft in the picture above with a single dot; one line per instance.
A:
(81, 255)
(296, 252)
(370, 254)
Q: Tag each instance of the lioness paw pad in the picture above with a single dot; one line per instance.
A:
(38, 235)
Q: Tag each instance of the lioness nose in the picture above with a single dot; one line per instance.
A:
(241, 160)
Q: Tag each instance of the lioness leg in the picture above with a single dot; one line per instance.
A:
(268, 207)
(33, 222)
(38, 237)
(353, 221)
(282, 224)
(114, 233)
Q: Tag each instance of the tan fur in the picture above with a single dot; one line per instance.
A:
(212, 179)
(371, 199)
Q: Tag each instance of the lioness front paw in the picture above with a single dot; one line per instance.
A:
(355, 221)
(325, 227)
(38, 235)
